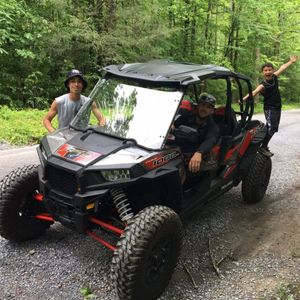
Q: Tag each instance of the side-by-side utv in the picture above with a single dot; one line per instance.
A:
(126, 178)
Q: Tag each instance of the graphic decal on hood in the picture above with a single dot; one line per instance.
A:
(74, 153)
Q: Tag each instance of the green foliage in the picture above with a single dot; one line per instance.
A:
(21, 44)
(86, 293)
(21, 127)
(41, 40)
(290, 291)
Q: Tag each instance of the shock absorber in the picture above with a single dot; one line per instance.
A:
(122, 205)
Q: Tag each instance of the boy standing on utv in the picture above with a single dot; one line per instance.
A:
(68, 105)
(272, 99)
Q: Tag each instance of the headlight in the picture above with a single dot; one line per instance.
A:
(113, 175)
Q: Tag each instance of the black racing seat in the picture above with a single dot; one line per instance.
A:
(229, 127)
(230, 131)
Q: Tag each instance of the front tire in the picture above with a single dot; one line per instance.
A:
(255, 183)
(147, 254)
(17, 206)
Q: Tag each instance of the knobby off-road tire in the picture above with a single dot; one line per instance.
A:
(147, 254)
(255, 183)
(17, 205)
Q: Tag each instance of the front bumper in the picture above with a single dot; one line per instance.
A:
(71, 210)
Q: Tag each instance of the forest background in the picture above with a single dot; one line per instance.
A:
(41, 40)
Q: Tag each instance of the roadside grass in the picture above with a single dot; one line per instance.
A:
(289, 106)
(24, 127)
(258, 107)
(286, 291)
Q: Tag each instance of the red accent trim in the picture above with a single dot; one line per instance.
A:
(39, 197)
(160, 159)
(230, 152)
(186, 104)
(216, 149)
(248, 138)
(149, 163)
(107, 226)
(229, 171)
(45, 217)
(101, 241)
(220, 111)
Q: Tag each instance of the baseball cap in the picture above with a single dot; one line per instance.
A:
(75, 73)
(204, 97)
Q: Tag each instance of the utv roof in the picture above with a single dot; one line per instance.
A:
(164, 71)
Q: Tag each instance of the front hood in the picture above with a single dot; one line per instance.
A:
(92, 148)
(123, 158)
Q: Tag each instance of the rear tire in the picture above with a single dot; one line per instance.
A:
(255, 183)
(17, 206)
(147, 254)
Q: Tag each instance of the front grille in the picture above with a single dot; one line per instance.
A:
(61, 180)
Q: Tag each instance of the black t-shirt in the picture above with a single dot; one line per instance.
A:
(272, 98)
(207, 133)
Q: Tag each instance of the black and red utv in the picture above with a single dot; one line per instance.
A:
(126, 178)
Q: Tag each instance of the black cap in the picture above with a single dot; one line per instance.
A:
(207, 98)
(75, 73)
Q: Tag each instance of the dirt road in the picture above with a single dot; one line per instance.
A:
(256, 248)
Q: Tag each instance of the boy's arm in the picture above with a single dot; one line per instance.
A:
(49, 116)
(97, 113)
(258, 90)
(292, 60)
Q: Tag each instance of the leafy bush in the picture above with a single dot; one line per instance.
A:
(22, 127)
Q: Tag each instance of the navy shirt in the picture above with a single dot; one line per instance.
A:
(272, 98)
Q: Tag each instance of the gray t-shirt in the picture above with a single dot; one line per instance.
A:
(67, 109)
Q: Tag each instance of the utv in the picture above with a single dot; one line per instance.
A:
(125, 178)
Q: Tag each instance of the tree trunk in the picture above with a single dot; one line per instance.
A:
(111, 20)
(257, 67)
(230, 40)
(193, 30)
(279, 36)
(207, 24)
(185, 31)
(236, 38)
(216, 33)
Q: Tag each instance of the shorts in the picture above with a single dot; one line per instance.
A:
(273, 119)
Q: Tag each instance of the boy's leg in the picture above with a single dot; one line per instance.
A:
(272, 119)
(266, 140)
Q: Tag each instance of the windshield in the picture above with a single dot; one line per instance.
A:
(131, 111)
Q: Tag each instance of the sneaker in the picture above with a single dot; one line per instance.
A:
(266, 152)
(271, 153)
